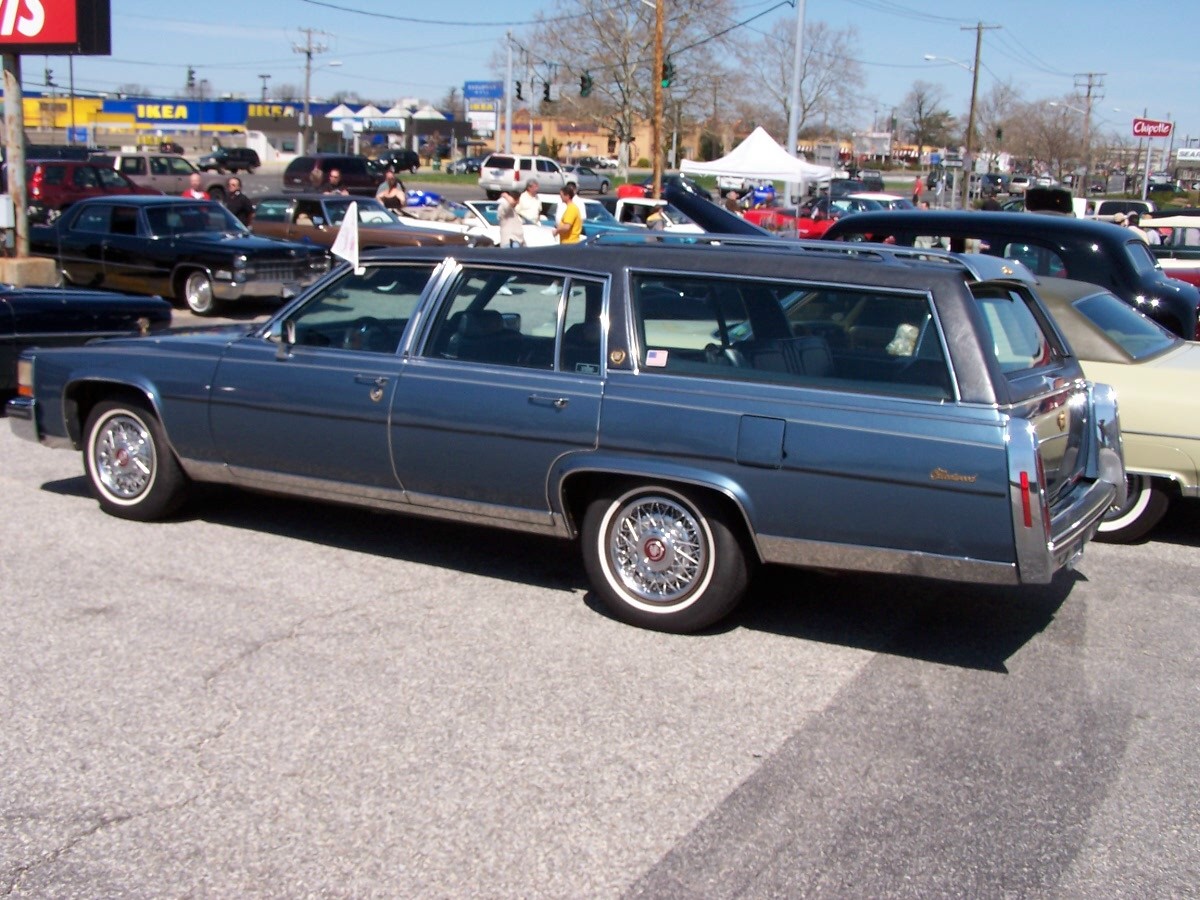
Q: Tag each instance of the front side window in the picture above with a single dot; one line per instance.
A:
(179, 166)
(790, 333)
(1139, 254)
(84, 178)
(367, 312)
(158, 166)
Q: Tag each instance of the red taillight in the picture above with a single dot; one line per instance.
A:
(1026, 510)
(35, 183)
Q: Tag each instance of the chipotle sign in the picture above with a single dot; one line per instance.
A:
(1151, 128)
(55, 26)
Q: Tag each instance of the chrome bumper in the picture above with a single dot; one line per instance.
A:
(22, 417)
(235, 290)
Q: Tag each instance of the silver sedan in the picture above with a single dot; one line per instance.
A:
(586, 179)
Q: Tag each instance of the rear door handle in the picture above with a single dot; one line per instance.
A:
(556, 402)
(377, 380)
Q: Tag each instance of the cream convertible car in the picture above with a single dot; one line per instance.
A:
(1157, 377)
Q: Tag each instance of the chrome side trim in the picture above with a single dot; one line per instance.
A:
(427, 505)
(822, 554)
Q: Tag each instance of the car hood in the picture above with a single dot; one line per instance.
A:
(708, 215)
(245, 243)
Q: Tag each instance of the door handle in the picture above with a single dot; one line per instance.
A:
(556, 402)
(377, 380)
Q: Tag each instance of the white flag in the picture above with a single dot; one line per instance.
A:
(345, 244)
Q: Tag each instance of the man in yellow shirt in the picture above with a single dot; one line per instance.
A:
(570, 229)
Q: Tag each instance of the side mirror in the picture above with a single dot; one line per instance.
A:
(283, 333)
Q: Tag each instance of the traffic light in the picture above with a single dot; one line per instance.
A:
(49, 78)
(668, 72)
(519, 97)
(191, 77)
(545, 92)
(585, 84)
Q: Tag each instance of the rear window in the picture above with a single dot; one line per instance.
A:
(300, 166)
(1019, 340)
(1133, 332)
(499, 162)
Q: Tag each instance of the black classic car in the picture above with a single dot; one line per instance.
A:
(1057, 246)
(56, 317)
(686, 411)
(193, 250)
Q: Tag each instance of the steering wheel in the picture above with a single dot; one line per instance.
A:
(367, 333)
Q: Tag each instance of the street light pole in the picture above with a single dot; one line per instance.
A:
(656, 126)
(308, 49)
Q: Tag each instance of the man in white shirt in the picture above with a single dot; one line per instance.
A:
(512, 229)
(529, 207)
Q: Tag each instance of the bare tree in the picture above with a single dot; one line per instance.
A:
(997, 115)
(133, 89)
(451, 100)
(924, 111)
(286, 92)
(830, 77)
(613, 44)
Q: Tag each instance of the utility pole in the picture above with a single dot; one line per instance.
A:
(969, 158)
(508, 92)
(309, 49)
(793, 127)
(1090, 82)
(656, 126)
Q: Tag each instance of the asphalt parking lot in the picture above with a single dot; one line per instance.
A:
(264, 697)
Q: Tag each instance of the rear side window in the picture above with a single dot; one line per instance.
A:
(498, 162)
(299, 167)
(133, 165)
(791, 333)
(1019, 340)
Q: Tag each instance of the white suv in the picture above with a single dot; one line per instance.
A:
(502, 171)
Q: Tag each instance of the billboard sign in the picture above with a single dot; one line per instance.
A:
(56, 27)
(1187, 154)
(1151, 128)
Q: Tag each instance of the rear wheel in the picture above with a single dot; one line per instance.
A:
(196, 291)
(131, 470)
(603, 187)
(493, 195)
(663, 559)
(1145, 505)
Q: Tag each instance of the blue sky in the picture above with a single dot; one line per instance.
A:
(1147, 51)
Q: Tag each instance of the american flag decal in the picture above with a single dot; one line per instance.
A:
(656, 357)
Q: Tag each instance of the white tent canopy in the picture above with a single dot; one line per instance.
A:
(760, 158)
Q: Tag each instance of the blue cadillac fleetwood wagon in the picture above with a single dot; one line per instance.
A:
(684, 412)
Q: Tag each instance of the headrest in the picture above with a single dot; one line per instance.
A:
(480, 322)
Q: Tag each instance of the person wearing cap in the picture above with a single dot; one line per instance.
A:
(1131, 222)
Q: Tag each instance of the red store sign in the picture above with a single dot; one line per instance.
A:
(55, 26)
(1151, 128)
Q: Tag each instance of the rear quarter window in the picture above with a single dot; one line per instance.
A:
(1020, 341)
(498, 162)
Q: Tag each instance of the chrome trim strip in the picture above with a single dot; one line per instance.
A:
(823, 554)
(22, 418)
(427, 505)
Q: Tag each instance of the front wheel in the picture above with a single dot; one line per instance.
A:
(131, 470)
(1145, 505)
(197, 293)
(603, 187)
(662, 559)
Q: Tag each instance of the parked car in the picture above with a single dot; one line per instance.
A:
(872, 180)
(399, 160)
(193, 250)
(1058, 246)
(1163, 191)
(1157, 376)
(164, 172)
(844, 187)
(636, 211)
(587, 180)
(229, 159)
(989, 183)
(58, 317)
(1178, 246)
(316, 218)
(1018, 184)
(468, 165)
(812, 220)
(1107, 210)
(685, 411)
(886, 201)
(53, 185)
(502, 171)
(360, 175)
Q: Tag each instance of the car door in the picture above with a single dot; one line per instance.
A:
(129, 254)
(82, 234)
(179, 173)
(505, 380)
(307, 407)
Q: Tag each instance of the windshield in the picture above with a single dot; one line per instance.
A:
(370, 212)
(675, 216)
(1143, 260)
(1130, 330)
(189, 218)
(597, 213)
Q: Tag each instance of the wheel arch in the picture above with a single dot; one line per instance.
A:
(579, 484)
(82, 393)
